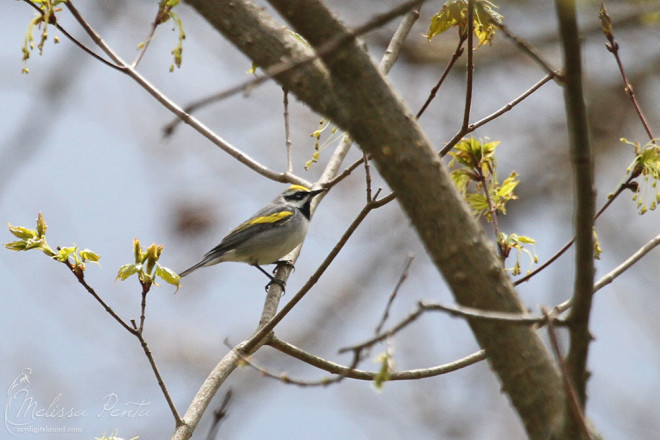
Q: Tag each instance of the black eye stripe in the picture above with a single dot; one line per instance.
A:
(299, 195)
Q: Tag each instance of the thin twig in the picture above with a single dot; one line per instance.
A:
(487, 315)
(157, 21)
(367, 176)
(634, 258)
(390, 301)
(622, 187)
(344, 174)
(471, 127)
(492, 210)
(530, 51)
(511, 104)
(159, 378)
(77, 42)
(412, 317)
(470, 65)
(352, 373)
(455, 56)
(143, 305)
(329, 47)
(137, 332)
(285, 378)
(80, 276)
(219, 415)
(287, 131)
(185, 117)
(613, 48)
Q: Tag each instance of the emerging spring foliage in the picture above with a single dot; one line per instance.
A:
(146, 266)
(454, 13)
(475, 176)
(478, 166)
(40, 20)
(46, 17)
(647, 165)
(36, 239)
(514, 241)
(335, 136)
(146, 261)
(165, 13)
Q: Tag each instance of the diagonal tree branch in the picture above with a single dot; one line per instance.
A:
(383, 127)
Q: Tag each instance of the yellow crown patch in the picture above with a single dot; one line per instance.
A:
(299, 188)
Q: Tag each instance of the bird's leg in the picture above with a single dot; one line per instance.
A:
(280, 283)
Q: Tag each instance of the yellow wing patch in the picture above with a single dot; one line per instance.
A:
(270, 218)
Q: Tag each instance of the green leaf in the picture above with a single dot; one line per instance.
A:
(88, 255)
(16, 245)
(64, 253)
(454, 13)
(137, 251)
(478, 202)
(525, 239)
(22, 232)
(383, 374)
(449, 15)
(168, 275)
(127, 270)
(41, 225)
(152, 256)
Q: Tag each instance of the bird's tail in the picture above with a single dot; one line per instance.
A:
(192, 268)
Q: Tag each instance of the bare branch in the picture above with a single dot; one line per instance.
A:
(80, 276)
(179, 112)
(402, 278)
(77, 42)
(455, 56)
(159, 378)
(273, 70)
(582, 164)
(219, 415)
(613, 48)
(634, 258)
(510, 105)
(472, 313)
(396, 42)
(471, 127)
(344, 174)
(529, 50)
(287, 131)
(137, 332)
(622, 187)
(470, 64)
(351, 373)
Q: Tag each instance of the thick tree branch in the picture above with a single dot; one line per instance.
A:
(383, 127)
(584, 200)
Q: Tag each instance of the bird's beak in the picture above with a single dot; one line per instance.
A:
(317, 192)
